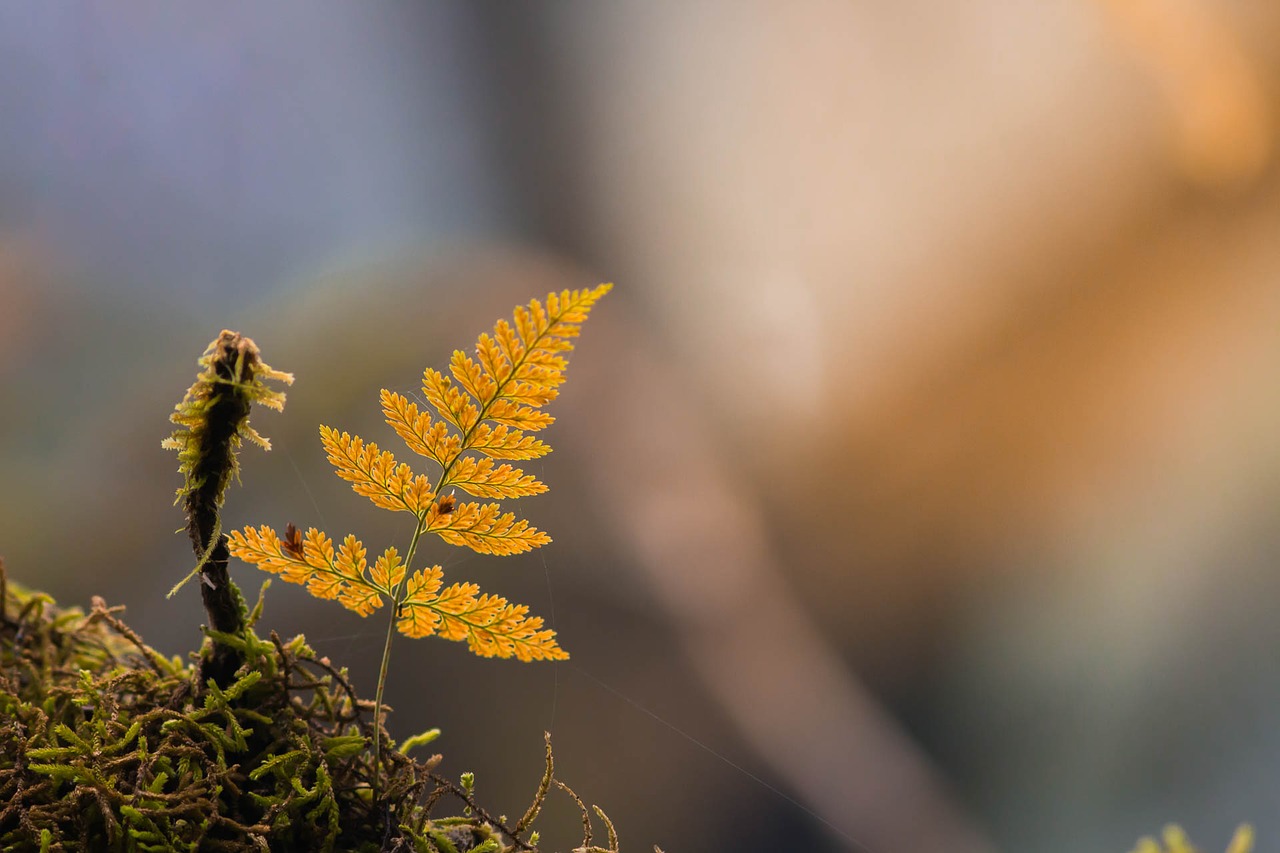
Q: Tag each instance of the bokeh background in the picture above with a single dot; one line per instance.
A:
(916, 488)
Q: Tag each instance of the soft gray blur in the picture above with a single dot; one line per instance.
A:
(914, 490)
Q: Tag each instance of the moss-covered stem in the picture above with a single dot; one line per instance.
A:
(222, 602)
(213, 418)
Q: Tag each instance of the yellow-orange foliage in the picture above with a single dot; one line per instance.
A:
(1175, 841)
(484, 412)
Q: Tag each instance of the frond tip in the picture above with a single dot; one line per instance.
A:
(489, 403)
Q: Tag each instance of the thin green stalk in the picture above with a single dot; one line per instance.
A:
(377, 704)
(391, 625)
(386, 657)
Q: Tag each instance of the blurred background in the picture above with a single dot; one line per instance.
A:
(915, 489)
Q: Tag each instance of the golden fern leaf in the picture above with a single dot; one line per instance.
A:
(513, 633)
(348, 564)
(488, 404)
(519, 365)
(1176, 841)
(375, 474)
(262, 547)
(504, 442)
(480, 478)
(417, 617)
(484, 528)
(434, 440)
(326, 573)
(387, 572)
(509, 413)
(473, 378)
(492, 626)
(423, 435)
(452, 404)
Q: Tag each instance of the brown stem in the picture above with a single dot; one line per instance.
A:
(223, 607)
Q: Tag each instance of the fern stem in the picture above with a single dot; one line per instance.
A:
(377, 704)
(386, 657)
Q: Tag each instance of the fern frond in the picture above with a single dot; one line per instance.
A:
(376, 474)
(504, 442)
(348, 564)
(488, 404)
(342, 575)
(480, 478)
(417, 617)
(426, 437)
(387, 572)
(509, 413)
(492, 626)
(486, 408)
(473, 378)
(485, 529)
(452, 404)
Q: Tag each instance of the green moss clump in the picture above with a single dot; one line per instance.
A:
(105, 744)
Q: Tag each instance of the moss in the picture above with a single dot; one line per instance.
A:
(107, 745)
